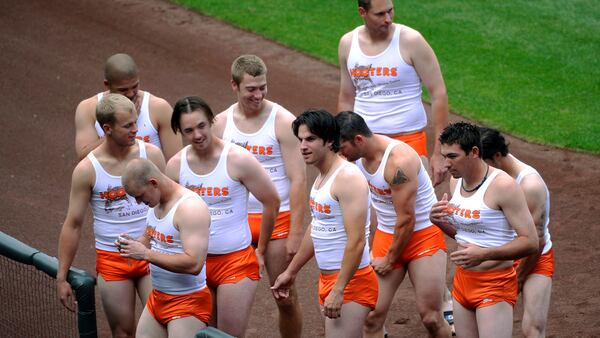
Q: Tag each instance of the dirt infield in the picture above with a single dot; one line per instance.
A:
(51, 56)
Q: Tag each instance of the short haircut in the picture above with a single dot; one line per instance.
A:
(138, 172)
(464, 134)
(321, 123)
(366, 4)
(109, 105)
(188, 105)
(247, 64)
(492, 142)
(120, 67)
(352, 124)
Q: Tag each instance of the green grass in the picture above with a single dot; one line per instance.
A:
(530, 68)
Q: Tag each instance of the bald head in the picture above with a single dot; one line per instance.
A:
(120, 67)
(110, 105)
(138, 173)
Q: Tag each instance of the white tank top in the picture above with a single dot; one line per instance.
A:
(146, 131)
(227, 201)
(388, 90)
(381, 195)
(115, 212)
(165, 239)
(264, 145)
(531, 171)
(327, 227)
(475, 222)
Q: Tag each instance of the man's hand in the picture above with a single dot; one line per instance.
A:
(131, 248)
(381, 265)
(260, 257)
(438, 173)
(332, 307)
(439, 211)
(65, 294)
(283, 284)
(469, 257)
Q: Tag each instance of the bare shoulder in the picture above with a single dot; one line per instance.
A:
(350, 177)
(156, 103)
(403, 156)
(410, 35)
(173, 166)
(87, 107)
(84, 172)
(503, 188)
(218, 127)
(283, 121)
(533, 185)
(239, 155)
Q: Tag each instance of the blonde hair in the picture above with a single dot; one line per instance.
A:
(247, 64)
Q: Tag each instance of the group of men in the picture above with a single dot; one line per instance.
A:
(192, 229)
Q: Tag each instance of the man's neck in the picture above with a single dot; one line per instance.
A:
(327, 163)
(375, 147)
(250, 112)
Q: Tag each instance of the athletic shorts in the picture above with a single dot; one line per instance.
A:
(361, 289)
(112, 267)
(418, 141)
(165, 307)
(232, 267)
(477, 289)
(281, 229)
(424, 242)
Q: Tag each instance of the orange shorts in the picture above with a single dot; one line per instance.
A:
(165, 307)
(424, 242)
(113, 267)
(232, 267)
(281, 229)
(475, 289)
(545, 264)
(418, 141)
(361, 289)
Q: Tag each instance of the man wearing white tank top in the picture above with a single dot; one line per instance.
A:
(488, 217)
(264, 128)
(382, 68)
(534, 273)
(97, 180)
(223, 174)
(154, 113)
(175, 242)
(405, 240)
(338, 233)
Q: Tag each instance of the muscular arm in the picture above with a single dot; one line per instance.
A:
(192, 219)
(155, 155)
(70, 234)
(296, 172)
(427, 67)
(347, 90)
(86, 138)
(248, 170)
(173, 167)
(161, 112)
(535, 194)
(351, 190)
(401, 175)
(509, 197)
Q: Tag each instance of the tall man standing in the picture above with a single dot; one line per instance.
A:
(154, 113)
(337, 236)
(382, 68)
(405, 240)
(489, 219)
(175, 244)
(97, 180)
(534, 273)
(264, 128)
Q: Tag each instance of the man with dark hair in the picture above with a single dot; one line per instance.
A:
(534, 273)
(405, 240)
(223, 174)
(382, 68)
(154, 113)
(97, 180)
(263, 127)
(488, 218)
(337, 236)
(175, 244)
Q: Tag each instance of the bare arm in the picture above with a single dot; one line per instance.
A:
(162, 112)
(347, 90)
(351, 190)
(401, 174)
(86, 137)
(70, 234)
(296, 172)
(427, 67)
(283, 283)
(249, 171)
(173, 167)
(192, 219)
(219, 125)
(155, 155)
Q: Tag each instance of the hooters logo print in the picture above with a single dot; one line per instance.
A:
(320, 208)
(112, 195)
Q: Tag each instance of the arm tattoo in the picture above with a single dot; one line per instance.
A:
(399, 177)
